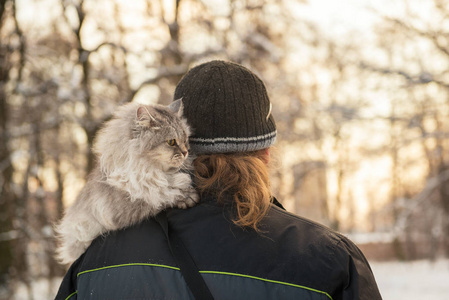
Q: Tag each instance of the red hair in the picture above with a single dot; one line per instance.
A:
(242, 175)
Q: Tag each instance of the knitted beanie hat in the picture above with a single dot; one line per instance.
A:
(227, 107)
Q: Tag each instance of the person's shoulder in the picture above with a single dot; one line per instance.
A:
(306, 230)
(283, 216)
(296, 226)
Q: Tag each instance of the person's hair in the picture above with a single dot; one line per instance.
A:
(244, 176)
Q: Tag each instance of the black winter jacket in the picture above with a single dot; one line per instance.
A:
(291, 258)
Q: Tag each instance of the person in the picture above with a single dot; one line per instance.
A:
(243, 243)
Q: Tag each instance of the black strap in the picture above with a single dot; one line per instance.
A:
(185, 262)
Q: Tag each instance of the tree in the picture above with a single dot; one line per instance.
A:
(416, 48)
(6, 193)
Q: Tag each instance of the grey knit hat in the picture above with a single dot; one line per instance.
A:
(227, 107)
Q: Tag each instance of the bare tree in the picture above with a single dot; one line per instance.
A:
(66, 83)
(423, 123)
(7, 198)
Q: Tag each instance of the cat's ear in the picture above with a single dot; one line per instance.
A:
(144, 118)
(177, 107)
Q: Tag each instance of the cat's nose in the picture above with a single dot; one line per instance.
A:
(185, 153)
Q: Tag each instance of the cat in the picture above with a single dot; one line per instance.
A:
(142, 161)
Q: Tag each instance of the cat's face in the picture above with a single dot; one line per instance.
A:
(172, 153)
(163, 135)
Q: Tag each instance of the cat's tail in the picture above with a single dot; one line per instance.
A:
(73, 237)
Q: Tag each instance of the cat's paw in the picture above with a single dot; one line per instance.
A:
(190, 198)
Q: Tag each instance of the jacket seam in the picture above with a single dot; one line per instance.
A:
(126, 265)
(267, 280)
(206, 272)
(70, 296)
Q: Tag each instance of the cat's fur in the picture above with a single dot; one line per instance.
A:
(138, 174)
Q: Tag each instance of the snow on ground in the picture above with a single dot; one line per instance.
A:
(418, 280)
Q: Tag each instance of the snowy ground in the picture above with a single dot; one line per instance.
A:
(419, 280)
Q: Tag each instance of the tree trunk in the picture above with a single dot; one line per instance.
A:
(444, 198)
(6, 168)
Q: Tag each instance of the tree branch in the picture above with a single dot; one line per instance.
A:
(422, 78)
(163, 72)
(432, 35)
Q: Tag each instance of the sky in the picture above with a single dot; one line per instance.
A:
(338, 17)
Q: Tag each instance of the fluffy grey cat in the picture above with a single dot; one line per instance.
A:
(142, 155)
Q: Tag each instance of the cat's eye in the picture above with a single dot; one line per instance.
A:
(171, 142)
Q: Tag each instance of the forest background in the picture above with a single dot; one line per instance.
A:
(360, 93)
